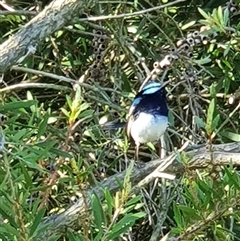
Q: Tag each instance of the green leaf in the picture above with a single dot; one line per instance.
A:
(226, 16)
(220, 15)
(177, 215)
(7, 228)
(65, 112)
(69, 101)
(110, 202)
(232, 178)
(16, 105)
(33, 108)
(210, 115)
(43, 125)
(199, 122)
(215, 122)
(27, 177)
(97, 210)
(203, 13)
(231, 135)
(124, 224)
(134, 200)
(37, 221)
(190, 212)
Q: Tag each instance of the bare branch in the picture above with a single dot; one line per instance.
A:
(129, 15)
(71, 218)
(57, 14)
(18, 12)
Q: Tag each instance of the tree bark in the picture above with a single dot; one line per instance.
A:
(57, 14)
(200, 157)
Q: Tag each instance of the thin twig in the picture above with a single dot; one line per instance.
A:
(18, 12)
(129, 15)
(34, 85)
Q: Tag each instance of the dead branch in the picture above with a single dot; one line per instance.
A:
(57, 14)
(199, 157)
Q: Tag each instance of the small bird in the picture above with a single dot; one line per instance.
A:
(148, 115)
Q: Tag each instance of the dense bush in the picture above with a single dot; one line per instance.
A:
(56, 148)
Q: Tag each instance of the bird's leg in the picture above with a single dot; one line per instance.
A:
(137, 152)
(160, 148)
(138, 163)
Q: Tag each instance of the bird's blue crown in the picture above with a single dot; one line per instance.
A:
(151, 99)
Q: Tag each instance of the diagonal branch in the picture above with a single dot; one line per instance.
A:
(71, 218)
(57, 14)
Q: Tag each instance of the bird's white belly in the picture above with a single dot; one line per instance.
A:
(148, 128)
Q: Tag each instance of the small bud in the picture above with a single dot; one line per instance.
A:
(180, 42)
(231, 100)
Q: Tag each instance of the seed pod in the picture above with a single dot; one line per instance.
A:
(98, 57)
(95, 44)
(195, 89)
(184, 47)
(101, 40)
(204, 39)
(195, 34)
(165, 62)
(190, 41)
(233, 4)
(102, 47)
(233, 9)
(94, 66)
(190, 54)
(197, 41)
(100, 65)
(98, 32)
(169, 58)
(156, 65)
(174, 56)
(95, 50)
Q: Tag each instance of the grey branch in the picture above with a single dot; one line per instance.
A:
(56, 15)
(199, 157)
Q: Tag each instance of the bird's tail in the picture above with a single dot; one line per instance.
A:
(113, 125)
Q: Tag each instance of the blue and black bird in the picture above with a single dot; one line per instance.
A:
(148, 115)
